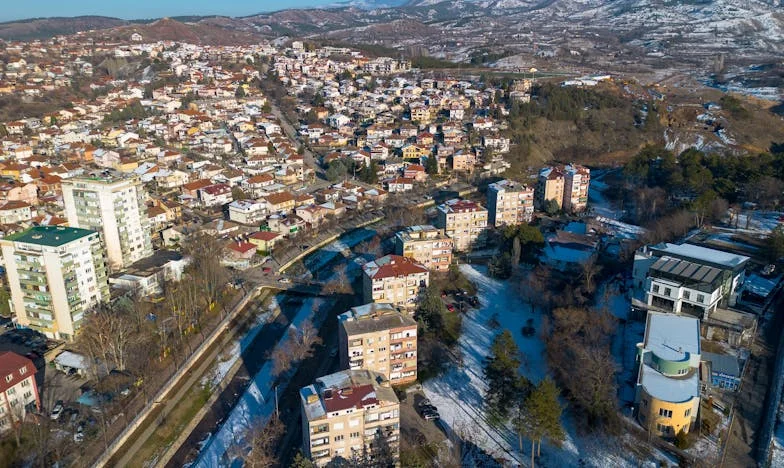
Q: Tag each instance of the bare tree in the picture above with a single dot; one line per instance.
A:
(259, 444)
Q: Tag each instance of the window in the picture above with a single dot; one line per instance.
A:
(23, 370)
(645, 403)
(687, 294)
(667, 291)
(688, 412)
(338, 438)
(355, 435)
(9, 378)
(664, 412)
(655, 288)
(700, 298)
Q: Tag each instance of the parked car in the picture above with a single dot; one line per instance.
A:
(425, 402)
(450, 307)
(57, 411)
(284, 281)
(430, 416)
(79, 434)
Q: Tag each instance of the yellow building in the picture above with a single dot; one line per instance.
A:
(549, 186)
(343, 413)
(668, 381)
(380, 338)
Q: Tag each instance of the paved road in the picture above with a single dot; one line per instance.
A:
(293, 135)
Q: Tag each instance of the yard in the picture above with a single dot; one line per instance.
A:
(458, 392)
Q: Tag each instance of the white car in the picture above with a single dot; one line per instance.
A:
(284, 281)
(57, 411)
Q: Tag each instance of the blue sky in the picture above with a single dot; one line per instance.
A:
(136, 9)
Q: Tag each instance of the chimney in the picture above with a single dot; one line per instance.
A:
(328, 394)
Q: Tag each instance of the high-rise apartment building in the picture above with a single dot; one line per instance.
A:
(55, 275)
(549, 186)
(576, 181)
(464, 221)
(378, 337)
(115, 207)
(394, 280)
(510, 203)
(348, 412)
(426, 245)
(567, 185)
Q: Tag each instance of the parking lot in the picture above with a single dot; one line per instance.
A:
(415, 430)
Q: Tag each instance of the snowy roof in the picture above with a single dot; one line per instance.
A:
(671, 336)
(758, 285)
(703, 255)
(670, 389)
(72, 360)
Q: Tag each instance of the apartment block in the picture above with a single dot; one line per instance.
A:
(668, 378)
(380, 338)
(550, 186)
(18, 389)
(510, 203)
(426, 245)
(115, 207)
(464, 221)
(576, 182)
(347, 412)
(395, 280)
(55, 274)
(687, 278)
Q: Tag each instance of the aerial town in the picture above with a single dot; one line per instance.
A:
(300, 254)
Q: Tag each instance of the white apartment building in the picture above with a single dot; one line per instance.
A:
(345, 412)
(464, 221)
(55, 274)
(426, 245)
(510, 203)
(115, 207)
(18, 389)
(576, 181)
(395, 280)
(248, 212)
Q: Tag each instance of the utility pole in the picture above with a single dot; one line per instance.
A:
(277, 412)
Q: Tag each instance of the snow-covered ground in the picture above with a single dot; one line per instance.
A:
(757, 222)
(458, 393)
(237, 347)
(599, 203)
(255, 405)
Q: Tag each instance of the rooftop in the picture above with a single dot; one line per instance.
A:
(373, 317)
(723, 363)
(713, 257)
(51, 236)
(345, 390)
(671, 336)
(683, 270)
(392, 265)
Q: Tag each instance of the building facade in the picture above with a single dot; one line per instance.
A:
(380, 338)
(668, 378)
(394, 280)
(550, 186)
(464, 222)
(55, 274)
(687, 278)
(115, 207)
(345, 413)
(509, 203)
(576, 181)
(18, 389)
(426, 245)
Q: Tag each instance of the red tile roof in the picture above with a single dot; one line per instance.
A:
(352, 397)
(10, 364)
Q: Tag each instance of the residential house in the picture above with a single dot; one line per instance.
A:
(426, 245)
(394, 279)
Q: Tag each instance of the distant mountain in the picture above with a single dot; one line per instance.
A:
(42, 28)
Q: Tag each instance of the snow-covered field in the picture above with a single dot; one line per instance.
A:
(458, 393)
(256, 404)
